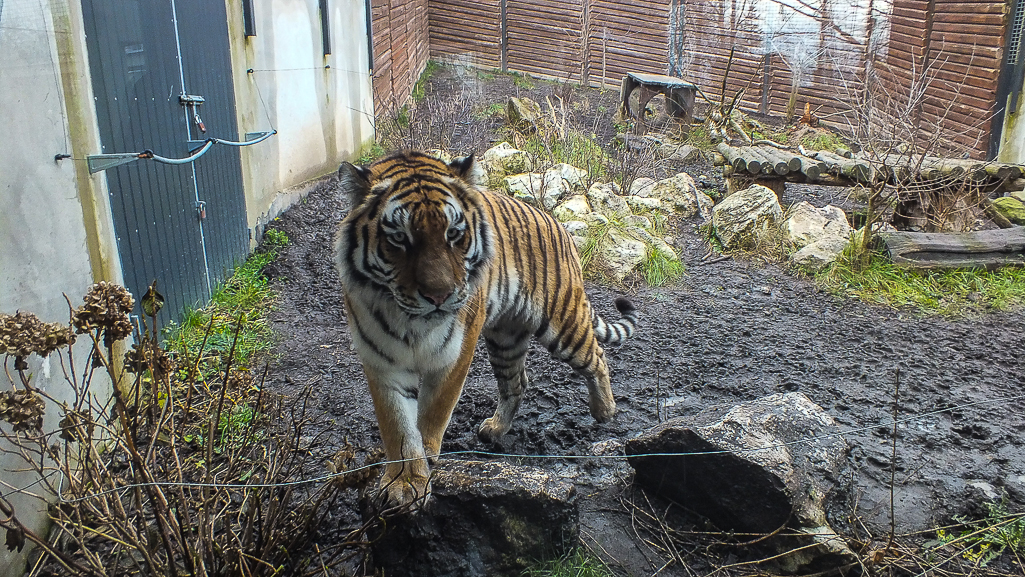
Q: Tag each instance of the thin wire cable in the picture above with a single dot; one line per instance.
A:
(512, 455)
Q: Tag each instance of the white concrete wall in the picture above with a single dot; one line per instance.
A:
(322, 106)
(55, 231)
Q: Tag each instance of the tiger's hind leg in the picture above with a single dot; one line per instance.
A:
(575, 344)
(508, 353)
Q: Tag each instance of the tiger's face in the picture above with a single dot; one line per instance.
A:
(417, 231)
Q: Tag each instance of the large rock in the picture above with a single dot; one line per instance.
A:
(621, 254)
(642, 186)
(682, 195)
(523, 113)
(762, 465)
(743, 215)
(536, 189)
(654, 243)
(604, 199)
(573, 208)
(1012, 209)
(819, 254)
(484, 518)
(576, 178)
(806, 224)
(502, 159)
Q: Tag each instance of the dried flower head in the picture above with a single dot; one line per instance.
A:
(107, 307)
(144, 356)
(23, 334)
(350, 473)
(23, 408)
(76, 426)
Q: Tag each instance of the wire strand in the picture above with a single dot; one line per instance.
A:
(331, 476)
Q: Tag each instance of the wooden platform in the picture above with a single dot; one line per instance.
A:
(679, 94)
(773, 167)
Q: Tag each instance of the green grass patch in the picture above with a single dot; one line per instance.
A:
(822, 141)
(982, 541)
(244, 300)
(698, 136)
(369, 154)
(658, 270)
(523, 81)
(420, 88)
(485, 112)
(948, 292)
(578, 563)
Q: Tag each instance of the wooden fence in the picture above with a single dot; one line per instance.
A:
(399, 33)
(783, 56)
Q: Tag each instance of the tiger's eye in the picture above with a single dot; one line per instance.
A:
(454, 234)
(398, 238)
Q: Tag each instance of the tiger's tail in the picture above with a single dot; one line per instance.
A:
(616, 332)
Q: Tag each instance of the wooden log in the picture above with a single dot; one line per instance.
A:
(981, 249)
(856, 169)
(756, 163)
(812, 169)
(734, 157)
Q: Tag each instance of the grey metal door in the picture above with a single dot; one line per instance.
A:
(182, 225)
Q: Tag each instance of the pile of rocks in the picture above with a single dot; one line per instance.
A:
(819, 235)
(563, 191)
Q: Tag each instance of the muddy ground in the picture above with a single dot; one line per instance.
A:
(731, 331)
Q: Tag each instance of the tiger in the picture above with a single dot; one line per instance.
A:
(429, 261)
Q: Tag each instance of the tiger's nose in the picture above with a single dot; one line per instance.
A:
(437, 299)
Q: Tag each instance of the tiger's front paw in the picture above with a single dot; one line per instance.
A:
(603, 411)
(492, 429)
(404, 493)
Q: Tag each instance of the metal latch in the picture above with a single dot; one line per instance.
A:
(201, 209)
(193, 102)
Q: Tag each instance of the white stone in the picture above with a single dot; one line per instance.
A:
(807, 224)
(654, 242)
(643, 204)
(622, 254)
(537, 189)
(503, 159)
(680, 193)
(820, 254)
(575, 178)
(642, 186)
(596, 218)
(604, 199)
(1019, 194)
(577, 230)
(738, 218)
(573, 208)
(638, 221)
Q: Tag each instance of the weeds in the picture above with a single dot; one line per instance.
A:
(578, 563)
(420, 88)
(243, 300)
(183, 471)
(980, 542)
(947, 292)
(822, 141)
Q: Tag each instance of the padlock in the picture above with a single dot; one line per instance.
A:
(201, 209)
(199, 121)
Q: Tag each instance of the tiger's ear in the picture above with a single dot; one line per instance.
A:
(354, 180)
(467, 168)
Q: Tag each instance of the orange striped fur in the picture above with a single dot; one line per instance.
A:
(429, 262)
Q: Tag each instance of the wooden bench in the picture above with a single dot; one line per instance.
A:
(679, 94)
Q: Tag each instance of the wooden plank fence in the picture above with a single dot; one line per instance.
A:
(824, 57)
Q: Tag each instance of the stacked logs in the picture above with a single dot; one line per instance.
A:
(828, 168)
(766, 162)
